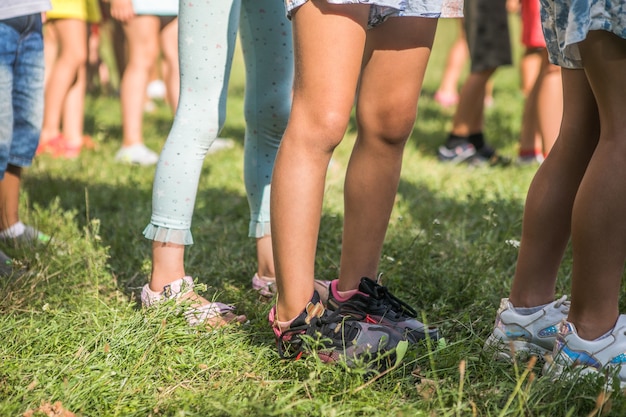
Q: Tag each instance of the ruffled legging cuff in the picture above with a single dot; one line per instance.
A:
(167, 235)
(259, 229)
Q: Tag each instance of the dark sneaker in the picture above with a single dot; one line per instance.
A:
(334, 337)
(6, 265)
(377, 305)
(487, 156)
(460, 152)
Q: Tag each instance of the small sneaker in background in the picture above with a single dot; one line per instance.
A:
(29, 236)
(374, 303)
(136, 154)
(334, 337)
(534, 159)
(446, 100)
(266, 287)
(532, 334)
(460, 152)
(212, 314)
(605, 356)
(6, 265)
(487, 156)
(220, 144)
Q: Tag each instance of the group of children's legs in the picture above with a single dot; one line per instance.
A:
(576, 195)
(377, 62)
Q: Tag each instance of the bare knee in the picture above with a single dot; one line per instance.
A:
(391, 128)
(322, 129)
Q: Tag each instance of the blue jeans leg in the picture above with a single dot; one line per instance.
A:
(21, 89)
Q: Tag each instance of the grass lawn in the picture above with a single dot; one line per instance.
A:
(72, 331)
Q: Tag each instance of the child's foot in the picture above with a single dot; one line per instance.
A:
(137, 154)
(374, 303)
(528, 334)
(535, 159)
(220, 144)
(334, 337)
(486, 155)
(200, 310)
(265, 286)
(446, 100)
(50, 145)
(456, 152)
(603, 357)
(23, 235)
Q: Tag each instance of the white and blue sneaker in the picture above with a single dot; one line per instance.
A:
(516, 334)
(461, 152)
(604, 357)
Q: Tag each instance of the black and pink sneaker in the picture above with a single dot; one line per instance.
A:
(377, 305)
(334, 337)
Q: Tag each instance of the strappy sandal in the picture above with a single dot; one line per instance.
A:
(212, 314)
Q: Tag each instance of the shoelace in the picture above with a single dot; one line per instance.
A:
(319, 324)
(563, 301)
(386, 299)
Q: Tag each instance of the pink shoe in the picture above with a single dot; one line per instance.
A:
(265, 287)
(446, 99)
(68, 151)
(50, 146)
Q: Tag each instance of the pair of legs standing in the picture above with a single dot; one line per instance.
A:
(336, 57)
(148, 37)
(206, 59)
(65, 40)
(21, 115)
(580, 187)
(487, 33)
(578, 192)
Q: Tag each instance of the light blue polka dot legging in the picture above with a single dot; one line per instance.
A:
(207, 34)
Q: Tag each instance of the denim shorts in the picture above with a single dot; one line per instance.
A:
(567, 22)
(381, 10)
(21, 89)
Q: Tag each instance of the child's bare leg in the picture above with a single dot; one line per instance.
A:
(142, 35)
(387, 104)
(547, 213)
(265, 257)
(469, 115)
(72, 37)
(10, 196)
(320, 114)
(549, 104)
(598, 225)
(167, 264)
(169, 46)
